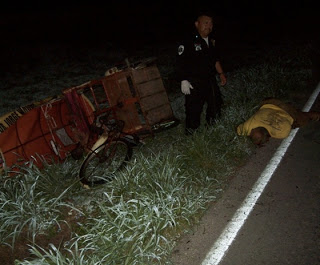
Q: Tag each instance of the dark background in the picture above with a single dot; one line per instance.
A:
(132, 25)
(58, 21)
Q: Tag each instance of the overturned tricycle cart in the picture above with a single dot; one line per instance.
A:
(103, 118)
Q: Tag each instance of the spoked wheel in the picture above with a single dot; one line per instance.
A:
(101, 164)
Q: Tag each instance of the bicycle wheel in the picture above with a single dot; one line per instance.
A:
(101, 164)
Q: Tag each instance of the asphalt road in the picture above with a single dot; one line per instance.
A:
(284, 225)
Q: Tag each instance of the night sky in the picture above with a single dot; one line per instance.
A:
(74, 20)
(135, 23)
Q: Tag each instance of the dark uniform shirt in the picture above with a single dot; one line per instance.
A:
(196, 60)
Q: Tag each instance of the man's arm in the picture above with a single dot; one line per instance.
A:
(183, 68)
(183, 62)
(219, 69)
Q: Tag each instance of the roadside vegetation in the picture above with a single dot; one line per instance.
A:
(163, 191)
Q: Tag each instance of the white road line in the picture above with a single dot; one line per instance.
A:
(221, 246)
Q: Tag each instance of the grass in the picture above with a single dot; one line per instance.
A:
(26, 206)
(163, 191)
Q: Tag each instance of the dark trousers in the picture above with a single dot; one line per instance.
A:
(202, 92)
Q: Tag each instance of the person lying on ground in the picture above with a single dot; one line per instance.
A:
(274, 119)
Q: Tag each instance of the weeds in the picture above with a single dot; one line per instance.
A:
(163, 191)
(30, 202)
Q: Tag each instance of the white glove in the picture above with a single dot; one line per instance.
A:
(185, 87)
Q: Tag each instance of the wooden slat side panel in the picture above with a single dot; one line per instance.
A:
(154, 101)
(157, 115)
(151, 87)
(145, 74)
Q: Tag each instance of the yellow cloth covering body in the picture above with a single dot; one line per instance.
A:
(277, 121)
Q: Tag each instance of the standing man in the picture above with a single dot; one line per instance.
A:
(198, 63)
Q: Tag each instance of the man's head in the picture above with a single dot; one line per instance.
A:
(259, 135)
(204, 24)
